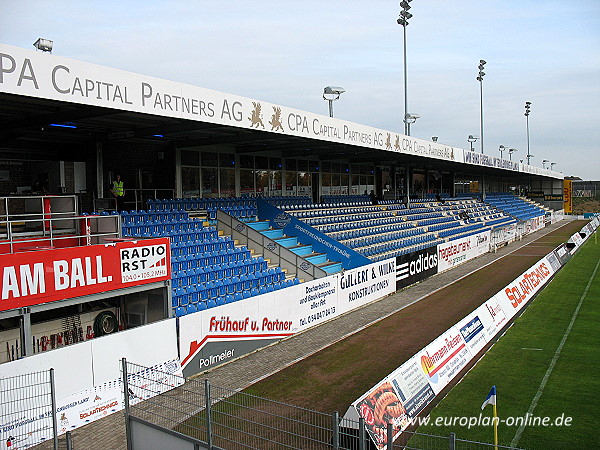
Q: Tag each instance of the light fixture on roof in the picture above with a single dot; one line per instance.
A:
(502, 148)
(544, 163)
(408, 119)
(331, 94)
(434, 138)
(552, 165)
(472, 139)
(511, 151)
(44, 45)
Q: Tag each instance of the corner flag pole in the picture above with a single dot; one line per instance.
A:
(491, 400)
(495, 428)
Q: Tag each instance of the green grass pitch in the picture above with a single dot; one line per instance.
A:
(520, 360)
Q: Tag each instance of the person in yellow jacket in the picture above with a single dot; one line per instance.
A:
(118, 191)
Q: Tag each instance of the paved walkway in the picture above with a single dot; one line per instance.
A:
(109, 433)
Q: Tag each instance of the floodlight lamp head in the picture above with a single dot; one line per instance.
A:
(404, 5)
(472, 138)
(44, 45)
(333, 90)
(482, 62)
(411, 118)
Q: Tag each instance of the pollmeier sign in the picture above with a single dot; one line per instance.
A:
(30, 278)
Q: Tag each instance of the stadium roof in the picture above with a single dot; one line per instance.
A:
(51, 103)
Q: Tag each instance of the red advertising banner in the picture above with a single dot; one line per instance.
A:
(30, 278)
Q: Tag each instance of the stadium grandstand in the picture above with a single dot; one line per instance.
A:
(226, 201)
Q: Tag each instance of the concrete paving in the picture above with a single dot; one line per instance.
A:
(109, 433)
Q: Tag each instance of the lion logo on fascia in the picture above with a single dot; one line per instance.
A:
(397, 143)
(255, 118)
(388, 142)
(276, 119)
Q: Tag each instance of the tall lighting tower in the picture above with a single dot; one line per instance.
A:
(480, 76)
(527, 111)
(403, 20)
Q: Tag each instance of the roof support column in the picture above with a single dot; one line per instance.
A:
(99, 170)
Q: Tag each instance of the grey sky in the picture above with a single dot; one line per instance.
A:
(285, 52)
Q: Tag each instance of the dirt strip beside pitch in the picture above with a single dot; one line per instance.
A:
(332, 378)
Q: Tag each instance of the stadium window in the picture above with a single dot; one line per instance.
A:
(290, 164)
(190, 158)
(246, 181)
(291, 182)
(313, 166)
(261, 162)
(303, 165)
(227, 182)
(210, 182)
(275, 182)
(226, 160)
(190, 181)
(275, 163)
(210, 159)
(247, 161)
(262, 181)
(325, 166)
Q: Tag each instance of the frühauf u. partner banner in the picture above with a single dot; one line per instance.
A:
(30, 73)
(217, 335)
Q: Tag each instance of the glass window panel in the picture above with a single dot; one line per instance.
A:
(227, 182)
(303, 165)
(291, 182)
(247, 161)
(190, 181)
(262, 182)
(275, 163)
(227, 160)
(262, 162)
(210, 184)
(210, 159)
(246, 181)
(275, 182)
(190, 158)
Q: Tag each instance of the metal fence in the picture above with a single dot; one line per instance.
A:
(221, 418)
(27, 403)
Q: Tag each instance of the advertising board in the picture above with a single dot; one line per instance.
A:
(463, 249)
(416, 266)
(31, 278)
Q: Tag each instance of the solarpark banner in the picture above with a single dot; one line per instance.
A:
(41, 75)
(217, 335)
(403, 394)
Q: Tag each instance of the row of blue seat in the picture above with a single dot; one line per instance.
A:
(396, 245)
(461, 230)
(200, 305)
(443, 226)
(143, 216)
(216, 288)
(383, 237)
(201, 246)
(434, 221)
(405, 227)
(242, 270)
